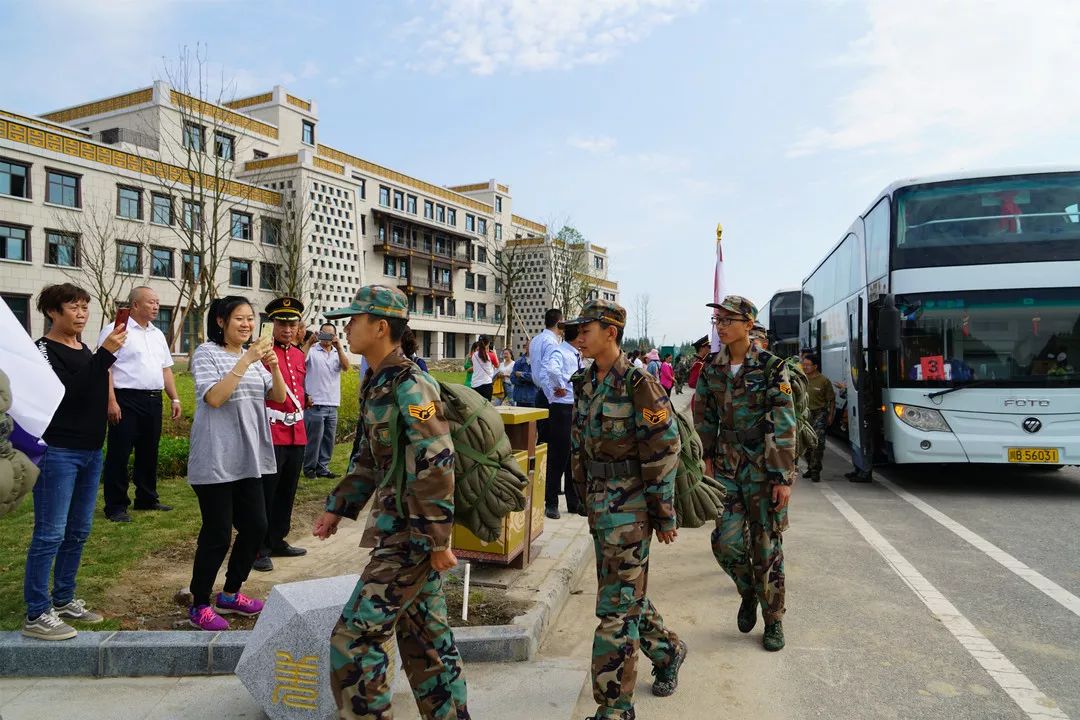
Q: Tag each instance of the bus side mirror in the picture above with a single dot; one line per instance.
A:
(888, 325)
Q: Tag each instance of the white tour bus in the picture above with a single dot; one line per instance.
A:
(950, 315)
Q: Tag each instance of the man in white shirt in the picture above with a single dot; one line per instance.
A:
(142, 369)
(539, 347)
(561, 362)
(326, 360)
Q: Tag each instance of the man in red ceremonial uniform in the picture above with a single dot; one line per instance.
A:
(287, 431)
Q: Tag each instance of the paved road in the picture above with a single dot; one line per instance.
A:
(942, 593)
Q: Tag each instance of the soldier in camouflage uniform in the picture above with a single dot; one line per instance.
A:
(745, 416)
(624, 453)
(409, 527)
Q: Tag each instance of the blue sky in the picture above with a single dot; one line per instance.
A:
(641, 122)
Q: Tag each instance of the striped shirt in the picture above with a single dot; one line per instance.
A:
(231, 442)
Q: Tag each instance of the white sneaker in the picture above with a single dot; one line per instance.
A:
(76, 610)
(48, 626)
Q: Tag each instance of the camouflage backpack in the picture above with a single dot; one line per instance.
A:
(805, 437)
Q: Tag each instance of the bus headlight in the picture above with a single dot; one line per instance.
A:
(920, 418)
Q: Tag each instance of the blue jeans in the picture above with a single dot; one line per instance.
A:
(64, 499)
(320, 421)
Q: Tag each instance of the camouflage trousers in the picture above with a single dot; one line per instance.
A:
(627, 618)
(400, 593)
(814, 457)
(748, 545)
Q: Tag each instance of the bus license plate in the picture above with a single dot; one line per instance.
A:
(1033, 455)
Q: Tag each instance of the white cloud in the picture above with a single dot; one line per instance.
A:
(957, 83)
(598, 145)
(485, 36)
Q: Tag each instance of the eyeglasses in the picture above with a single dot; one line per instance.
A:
(725, 321)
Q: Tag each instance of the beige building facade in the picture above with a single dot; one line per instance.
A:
(199, 199)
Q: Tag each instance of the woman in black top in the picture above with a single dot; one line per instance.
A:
(66, 490)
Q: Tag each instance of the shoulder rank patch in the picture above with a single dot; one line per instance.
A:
(654, 417)
(785, 387)
(423, 413)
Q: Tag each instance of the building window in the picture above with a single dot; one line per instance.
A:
(241, 226)
(271, 231)
(470, 281)
(192, 215)
(224, 146)
(62, 189)
(128, 258)
(410, 205)
(470, 310)
(61, 249)
(429, 308)
(192, 334)
(384, 196)
(308, 134)
(440, 213)
(498, 289)
(163, 322)
(269, 276)
(161, 262)
(14, 244)
(363, 187)
(451, 216)
(193, 136)
(481, 311)
(598, 262)
(450, 344)
(481, 254)
(498, 231)
(20, 308)
(192, 265)
(399, 200)
(470, 222)
(498, 204)
(260, 155)
(481, 226)
(429, 209)
(481, 282)
(161, 209)
(389, 266)
(129, 203)
(239, 272)
(498, 313)
(14, 179)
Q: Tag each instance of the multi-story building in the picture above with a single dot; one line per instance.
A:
(199, 199)
(546, 273)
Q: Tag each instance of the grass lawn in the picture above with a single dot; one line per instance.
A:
(115, 547)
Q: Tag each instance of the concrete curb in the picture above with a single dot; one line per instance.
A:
(175, 653)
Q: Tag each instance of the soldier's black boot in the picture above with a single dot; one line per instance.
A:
(667, 678)
(748, 613)
(773, 639)
(627, 715)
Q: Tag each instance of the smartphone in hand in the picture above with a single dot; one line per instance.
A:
(122, 316)
(266, 332)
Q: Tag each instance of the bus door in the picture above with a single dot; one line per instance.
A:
(859, 395)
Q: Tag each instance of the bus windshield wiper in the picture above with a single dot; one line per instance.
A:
(954, 388)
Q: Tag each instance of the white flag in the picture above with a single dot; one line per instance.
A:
(35, 390)
(717, 289)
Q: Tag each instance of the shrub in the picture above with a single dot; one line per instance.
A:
(172, 456)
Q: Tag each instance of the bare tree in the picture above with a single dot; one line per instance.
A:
(283, 248)
(90, 251)
(570, 277)
(642, 315)
(508, 261)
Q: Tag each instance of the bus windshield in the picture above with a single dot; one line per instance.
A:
(1002, 338)
(1028, 218)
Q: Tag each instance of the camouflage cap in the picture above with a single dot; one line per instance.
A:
(759, 331)
(738, 305)
(604, 311)
(377, 300)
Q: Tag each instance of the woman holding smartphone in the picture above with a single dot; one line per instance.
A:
(231, 450)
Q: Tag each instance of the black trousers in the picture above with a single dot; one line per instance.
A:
(139, 429)
(485, 390)
(557, 437)
(224, 506)
(279, 493)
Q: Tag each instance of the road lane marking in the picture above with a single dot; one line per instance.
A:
(1016, 685)
(1039, 581)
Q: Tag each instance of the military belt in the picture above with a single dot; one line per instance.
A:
(605, 470)
(754, 434)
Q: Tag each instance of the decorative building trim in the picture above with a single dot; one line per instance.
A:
(504, 189)
(530, 224)
(331, 167)
(137, 97)
(47, 125)
(264, 163)
(205, 109)
(401, 178)
(36, 137)
(249, 101)
(293, 100)
(469, 188)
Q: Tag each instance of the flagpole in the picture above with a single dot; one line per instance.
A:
(718, 287)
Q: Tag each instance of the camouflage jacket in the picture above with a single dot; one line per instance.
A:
(612, 423)
(398, 388)
(750, 399)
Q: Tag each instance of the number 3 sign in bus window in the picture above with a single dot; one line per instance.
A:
(933, 367)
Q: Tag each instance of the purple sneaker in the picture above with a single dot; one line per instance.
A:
(242, 605)
(203, 617)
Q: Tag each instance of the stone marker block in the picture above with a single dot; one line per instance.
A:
(286, 662)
